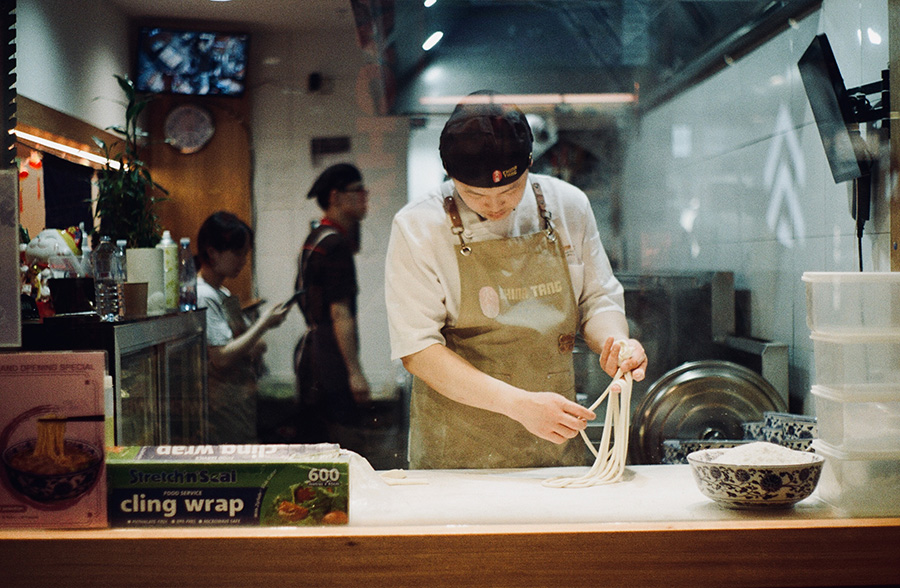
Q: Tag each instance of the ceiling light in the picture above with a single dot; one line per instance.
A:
(429, 3)
(607, 98)
(532, 99)
(66, 149)
(432, 40)
(874, 37)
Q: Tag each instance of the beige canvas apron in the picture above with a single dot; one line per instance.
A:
(517, 323)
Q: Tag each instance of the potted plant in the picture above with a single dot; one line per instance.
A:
(126, 201)
(126, 193)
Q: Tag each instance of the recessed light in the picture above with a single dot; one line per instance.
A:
(432, 40)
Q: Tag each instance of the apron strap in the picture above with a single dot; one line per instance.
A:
(299, 282)
(546, 215)
(457, 228)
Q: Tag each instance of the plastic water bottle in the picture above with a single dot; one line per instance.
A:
(187, 277)
(108, 279)
(87, 268)
(170, 268)
(120, 253)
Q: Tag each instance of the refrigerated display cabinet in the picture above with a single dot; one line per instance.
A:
(158, 366)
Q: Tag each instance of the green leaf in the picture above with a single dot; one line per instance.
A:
(126, 85)
(125, 205)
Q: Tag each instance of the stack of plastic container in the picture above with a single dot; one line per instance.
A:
(855, 324)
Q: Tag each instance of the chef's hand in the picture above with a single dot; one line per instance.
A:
(550, 416)
(635, 362)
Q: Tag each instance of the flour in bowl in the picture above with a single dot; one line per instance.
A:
(764, 454)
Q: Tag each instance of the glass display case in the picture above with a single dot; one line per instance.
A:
(158, 366)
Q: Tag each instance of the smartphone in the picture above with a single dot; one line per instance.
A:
(292, 299)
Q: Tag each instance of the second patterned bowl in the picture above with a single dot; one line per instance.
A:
(755, 486)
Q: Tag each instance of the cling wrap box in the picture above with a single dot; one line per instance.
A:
(222, 485)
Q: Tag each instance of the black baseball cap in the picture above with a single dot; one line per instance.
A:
(486, 144)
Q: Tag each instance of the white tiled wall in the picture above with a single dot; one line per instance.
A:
(698, 203)
(285, 119)
(708, 204)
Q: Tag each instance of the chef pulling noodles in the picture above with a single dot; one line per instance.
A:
(488, 281)
(609, 465)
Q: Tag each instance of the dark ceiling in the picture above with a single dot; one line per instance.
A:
(653, 47)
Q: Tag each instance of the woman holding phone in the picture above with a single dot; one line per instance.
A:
(234, 344)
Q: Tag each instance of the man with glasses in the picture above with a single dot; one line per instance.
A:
(330, 382)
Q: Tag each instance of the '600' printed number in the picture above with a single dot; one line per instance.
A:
(324, 476)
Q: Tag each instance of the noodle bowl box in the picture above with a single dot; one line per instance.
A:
(223, 485)
(52, 440)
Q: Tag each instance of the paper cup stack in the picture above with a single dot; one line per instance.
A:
(855, 324)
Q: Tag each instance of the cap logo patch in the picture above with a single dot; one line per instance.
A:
(508, 173)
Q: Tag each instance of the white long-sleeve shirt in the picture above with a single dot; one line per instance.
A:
(422, 285)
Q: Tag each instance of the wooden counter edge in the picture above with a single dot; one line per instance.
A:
(244, 532)
(767, 552)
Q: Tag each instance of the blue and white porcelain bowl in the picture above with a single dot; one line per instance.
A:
(793, 426)
(798, 444)
(675, 451)
(753, 430)
(801, 427)
(755, 486)
(772, 435)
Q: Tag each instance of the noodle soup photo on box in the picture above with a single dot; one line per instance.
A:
(52, 472)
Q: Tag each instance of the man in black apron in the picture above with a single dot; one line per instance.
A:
(495, 386)
(331, 385)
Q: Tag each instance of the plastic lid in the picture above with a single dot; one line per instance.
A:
(827, 450)
(851, 277)
(859, 393)
(860, 336)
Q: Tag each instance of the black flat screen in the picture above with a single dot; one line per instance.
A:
(832, 110)
(194, 63)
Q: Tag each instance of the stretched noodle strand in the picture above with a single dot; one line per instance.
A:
(609, 465)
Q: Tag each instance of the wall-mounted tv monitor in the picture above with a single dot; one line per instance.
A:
(833, 111)
(191, 62)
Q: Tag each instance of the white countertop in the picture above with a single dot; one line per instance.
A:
(648, 493)
(490, 525)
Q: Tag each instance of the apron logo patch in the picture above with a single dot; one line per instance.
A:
(536, 291)
(489, 301)
(566, 343)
